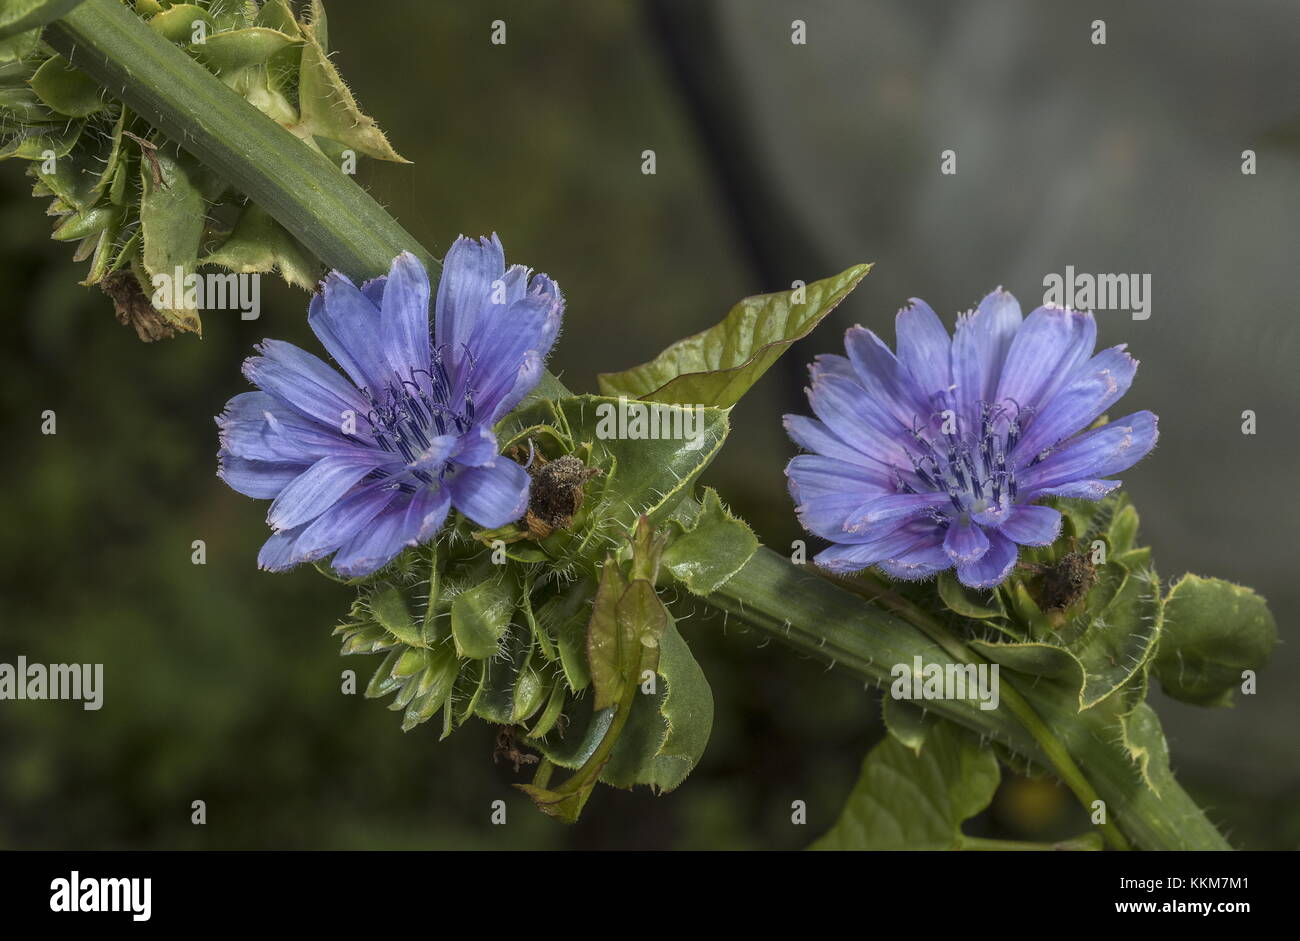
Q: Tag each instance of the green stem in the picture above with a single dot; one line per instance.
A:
(1051, 746)
(338, 221)
(807, 612)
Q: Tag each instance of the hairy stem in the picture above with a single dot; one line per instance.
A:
(1056, 754)
(812, 615)
(300, 187)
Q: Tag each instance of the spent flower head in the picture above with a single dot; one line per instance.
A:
(365, 468)
(936, 457)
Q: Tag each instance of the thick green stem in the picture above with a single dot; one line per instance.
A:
(812, 615)
(1051, 746)
(301, 188)
(346, 229)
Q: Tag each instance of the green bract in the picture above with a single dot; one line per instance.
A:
(136, 204)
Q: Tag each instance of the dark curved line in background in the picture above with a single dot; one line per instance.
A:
(769, 232)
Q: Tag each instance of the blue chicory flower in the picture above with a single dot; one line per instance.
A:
(933, 458)
(362, 469)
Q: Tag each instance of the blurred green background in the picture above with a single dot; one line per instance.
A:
(774, 162)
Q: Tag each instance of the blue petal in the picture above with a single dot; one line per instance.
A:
(924, 348)
(1049, 346)
(425, 514)
(979, 348)
(261, 480)
(992, 567)
(492, 495)
(502, 337)
(820, 475)
(813, 435)
(1114, 447)
(373, 290)
(826, 492)
(846, 409)
(855, 556)
(889, 508)
(344, 519)
(375, 545)
(1076, 490)
(317, 488)
(405, 316)
(1032, 525)
(432, 458)
(887, 383)
(1095, 386)
(924, 558)
(256, 426)
(278, 554)
(476, 447)
(465, 288)
(305, 383)
(965, 542)
(348, 325)
(530, 373)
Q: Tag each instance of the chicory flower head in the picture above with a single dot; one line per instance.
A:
(362, 469)
(933, 458)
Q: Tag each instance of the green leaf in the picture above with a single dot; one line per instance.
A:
(908, 801)
(22, 106)
(67, 90)
(480, 616)
(73, 178)
(667, 732)
(278, 15)
(1034, 658)
(1144, 740)
(237, 49)
(718, 366)
(906, 721)
(494, 700)
(176, 23)
(173, 210)
(968, 602)
(608, 649)
(1120, 640)
(1213, 631)
(328, 108)
(564, 616)
(715, 547)
(259, 244)
(19, 46)
(388, 607)
(21, 16)
(33, 143)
